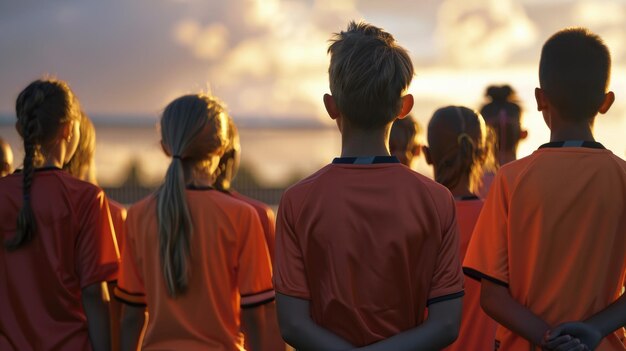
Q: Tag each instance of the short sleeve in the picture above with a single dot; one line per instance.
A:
(130, 288)
(289, 271)
(487, 253)
(254, 270)
(447, 280)
(270, 232)
(97, 253)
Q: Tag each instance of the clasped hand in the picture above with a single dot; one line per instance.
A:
(571, 336)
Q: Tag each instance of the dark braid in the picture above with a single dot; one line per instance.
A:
(41, 108)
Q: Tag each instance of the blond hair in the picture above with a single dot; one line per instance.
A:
(193, 128)
(368, 73)
(460, 145)
(85, 150)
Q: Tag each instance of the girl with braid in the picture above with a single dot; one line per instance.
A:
(58, 244)
(194, 256)
(459, 150)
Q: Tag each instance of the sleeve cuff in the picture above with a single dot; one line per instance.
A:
(129, 298)
(257, 299)
(476, 275)
(445, 298)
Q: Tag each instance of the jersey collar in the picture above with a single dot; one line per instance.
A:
(365, 160)
(573, 143)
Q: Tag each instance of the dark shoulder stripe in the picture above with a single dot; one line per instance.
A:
(445, 298)
(476, 275)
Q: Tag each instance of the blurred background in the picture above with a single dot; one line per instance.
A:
(266, 59)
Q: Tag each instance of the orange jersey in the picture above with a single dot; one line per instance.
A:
(118, 216)
(73, 247)
(553, 230)
(370, 245)
(230, 268)
(266, 215)
(478, 331)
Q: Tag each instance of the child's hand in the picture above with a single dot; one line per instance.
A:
(562, 343)
(584, 332)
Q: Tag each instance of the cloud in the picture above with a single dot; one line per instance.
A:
(478, 33)
(207, 42)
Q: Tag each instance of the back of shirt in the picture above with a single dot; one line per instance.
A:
(229, 269)
(553, 229)
(40, 282)
(370, 245)
(478, 330)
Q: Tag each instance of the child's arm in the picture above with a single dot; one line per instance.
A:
(439, 330)
(595, 328)
(299, 330)
(498, 303)
(253, 326)
(97, 312)
(131, 326)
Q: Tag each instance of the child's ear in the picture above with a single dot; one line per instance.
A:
(523, 134)
(609, 99)
(427, 156)
(540, 97)
(331, 106)
(407, 106)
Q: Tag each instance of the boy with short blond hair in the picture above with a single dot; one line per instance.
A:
(365, 244)
(550, 244)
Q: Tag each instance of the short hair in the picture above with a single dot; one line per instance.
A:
(574, 72)
(368, 73)
(403, 138)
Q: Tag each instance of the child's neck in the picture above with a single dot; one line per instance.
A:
(359, 142)
(572, 131)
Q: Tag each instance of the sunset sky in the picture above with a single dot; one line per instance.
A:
(267, 58)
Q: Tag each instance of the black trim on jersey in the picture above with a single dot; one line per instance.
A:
(196, 187)
(42, 169)
(467, 198)
(134, 304)
(257, 304)
(476, 275)
(573, 143)
(365, 160)
(257, 293)
(445, 297)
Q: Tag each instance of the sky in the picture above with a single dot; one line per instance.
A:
(267, 60)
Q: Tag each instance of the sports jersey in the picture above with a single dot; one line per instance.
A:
(118, 216)
(266, 215)
(272, 339)
(553, 230)
(40, 282)
(478, 331)
(370, 243)
(229, 269)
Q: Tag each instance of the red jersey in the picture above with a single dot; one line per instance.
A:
(230, 269)
(478, 330)
(553, 230)
(266, 215)
(370, 245)
(40, 282)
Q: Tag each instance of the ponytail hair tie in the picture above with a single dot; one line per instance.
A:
(177, 156)
(462, 136)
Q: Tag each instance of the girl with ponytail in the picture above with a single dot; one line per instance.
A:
(58, 242)
(460, 150)
(194, 257)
